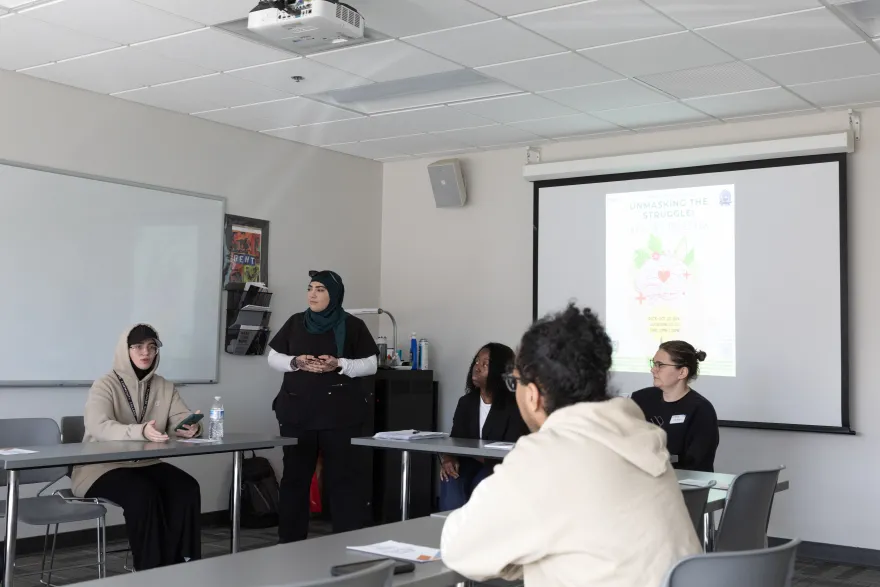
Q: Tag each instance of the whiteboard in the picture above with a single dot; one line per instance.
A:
(85, 258)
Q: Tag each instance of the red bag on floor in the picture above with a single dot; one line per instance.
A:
(315, 490)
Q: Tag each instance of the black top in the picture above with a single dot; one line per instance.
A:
(503, 424)
(322, 401)
(690, 424)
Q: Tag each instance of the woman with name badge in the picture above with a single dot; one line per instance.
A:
(687, 417)
(161, 503)
(325, 355)
(486, 411)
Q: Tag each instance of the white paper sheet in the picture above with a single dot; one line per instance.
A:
(501, 445)
(408, 435)
(15, 451)
(400, 551)
(197, 440)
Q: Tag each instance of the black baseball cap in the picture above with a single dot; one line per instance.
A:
(141, 333)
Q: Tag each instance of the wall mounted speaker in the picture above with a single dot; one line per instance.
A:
(447, 183)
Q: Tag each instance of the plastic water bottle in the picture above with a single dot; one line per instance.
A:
(215, 426)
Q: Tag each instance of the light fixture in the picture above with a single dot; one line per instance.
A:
(865, 14)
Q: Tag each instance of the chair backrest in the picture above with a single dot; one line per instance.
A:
(379, 575)
(19, 432)
(695, 498)
(73, 428)
(746, 512)
(768, 567)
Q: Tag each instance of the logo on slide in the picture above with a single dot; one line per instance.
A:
(725, 199)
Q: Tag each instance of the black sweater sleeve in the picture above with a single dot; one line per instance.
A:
(701, 441)
(459, 429)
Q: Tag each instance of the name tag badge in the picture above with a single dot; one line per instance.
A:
(677, 419)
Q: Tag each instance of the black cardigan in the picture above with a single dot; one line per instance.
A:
(503, 424)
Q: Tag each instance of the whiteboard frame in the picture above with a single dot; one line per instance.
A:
(157, 188)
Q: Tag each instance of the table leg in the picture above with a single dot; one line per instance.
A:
(404, 485)
(237, 457)
(11, 525)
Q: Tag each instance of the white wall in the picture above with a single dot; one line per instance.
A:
(463, 277)
(317, 202)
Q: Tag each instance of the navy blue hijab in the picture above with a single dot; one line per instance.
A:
(333, 316)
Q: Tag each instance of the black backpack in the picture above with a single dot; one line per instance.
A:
(259, 494)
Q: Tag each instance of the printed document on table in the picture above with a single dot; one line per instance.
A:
(400, 551)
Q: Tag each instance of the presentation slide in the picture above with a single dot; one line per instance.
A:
(670, 274)
(744, 262)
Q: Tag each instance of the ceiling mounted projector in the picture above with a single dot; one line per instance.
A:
(305, 24)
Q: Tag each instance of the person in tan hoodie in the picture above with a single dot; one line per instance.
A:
(589, 498)
(161, 503)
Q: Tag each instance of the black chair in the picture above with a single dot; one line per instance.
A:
(696, 498)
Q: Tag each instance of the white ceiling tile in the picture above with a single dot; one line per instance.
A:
(329, 133)
(700, 13)
(118, 70)
(712, 80)
(25, 42)
(398, 18)
(515, 108)
(278, 114)
(487, 43)
(366, 150)
(215, 49)
(420, 144)
(566, 126)
(564, 70)
(385, 61)
(653, 115)
(204, 93)
(122, 21)
(658, 54)
(601, 22)
(487, 136)
(14, 3)
(620, 94)
(841, 92)
(774, 35)
(749, 103)
(820, 64)
(205, 11)
(317, 77)
(511, 7)
(432, 119)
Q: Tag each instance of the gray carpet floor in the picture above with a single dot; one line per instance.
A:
(215, 542)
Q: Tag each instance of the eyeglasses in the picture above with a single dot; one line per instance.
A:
(658, 365)
(149, 348)
(510, 380)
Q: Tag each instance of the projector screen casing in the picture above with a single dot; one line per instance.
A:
(839, 159)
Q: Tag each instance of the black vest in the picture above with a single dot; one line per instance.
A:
(322, 401)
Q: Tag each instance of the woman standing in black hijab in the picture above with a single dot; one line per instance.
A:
(324, 354)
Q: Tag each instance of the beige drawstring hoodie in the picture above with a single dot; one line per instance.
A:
(589, 500)
(108, 415)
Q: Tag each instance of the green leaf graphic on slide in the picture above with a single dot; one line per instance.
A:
(655, 244)
(641, 257)
(689, 258)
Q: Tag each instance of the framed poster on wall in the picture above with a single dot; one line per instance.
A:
(246, 251)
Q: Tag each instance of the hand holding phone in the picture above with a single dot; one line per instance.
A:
(190, 420)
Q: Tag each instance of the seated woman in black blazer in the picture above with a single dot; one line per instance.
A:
(488, 411)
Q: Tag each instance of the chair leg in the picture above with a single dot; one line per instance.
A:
(45, 547)
(104, 546)
(98, 543)
(48, 582)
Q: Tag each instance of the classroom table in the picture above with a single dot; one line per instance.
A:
(465, 447)
(89, 453)
(299, 562)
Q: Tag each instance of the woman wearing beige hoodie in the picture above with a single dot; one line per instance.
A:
(161, 503)
(589, 498)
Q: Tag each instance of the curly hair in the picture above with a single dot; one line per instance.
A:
(500, 362)
(685, 355)
(568, 356)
